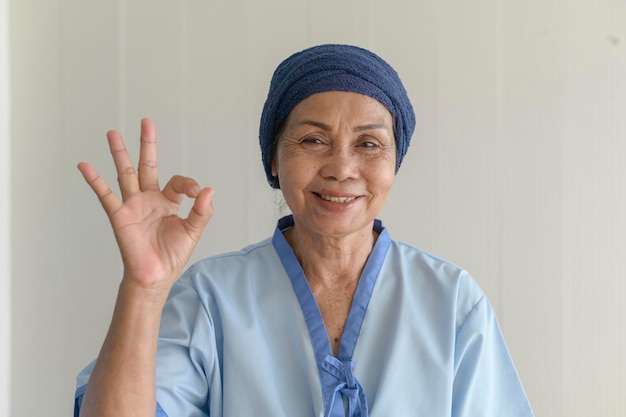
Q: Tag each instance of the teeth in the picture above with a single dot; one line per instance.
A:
(337, 199)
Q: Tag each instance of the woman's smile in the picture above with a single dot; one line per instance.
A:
(336, 199)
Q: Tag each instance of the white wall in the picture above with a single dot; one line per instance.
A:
(517, 169)
(5, 266)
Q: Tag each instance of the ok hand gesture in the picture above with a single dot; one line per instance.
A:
(155, 243)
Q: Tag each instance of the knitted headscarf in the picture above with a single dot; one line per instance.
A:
(333, 68)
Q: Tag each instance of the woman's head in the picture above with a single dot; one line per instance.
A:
(327, 68)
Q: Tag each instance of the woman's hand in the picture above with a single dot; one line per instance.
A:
(155, 243)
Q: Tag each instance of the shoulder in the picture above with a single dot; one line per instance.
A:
(430, 277)
(224, 282)
(230, 274)
(410, 253)
(233, 263)
(420, 263)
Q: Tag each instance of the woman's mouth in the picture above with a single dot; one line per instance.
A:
(336, 199)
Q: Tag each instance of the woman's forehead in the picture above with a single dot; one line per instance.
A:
(332, 105)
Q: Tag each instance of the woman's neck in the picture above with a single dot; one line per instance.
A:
(331, 261)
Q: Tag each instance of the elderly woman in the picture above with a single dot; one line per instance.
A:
(329, 316)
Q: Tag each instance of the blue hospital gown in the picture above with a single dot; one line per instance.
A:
(241, 335)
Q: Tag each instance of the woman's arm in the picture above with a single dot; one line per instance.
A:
(155, 245)
(123, 379)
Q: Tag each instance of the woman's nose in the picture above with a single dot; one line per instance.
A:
(340, 164)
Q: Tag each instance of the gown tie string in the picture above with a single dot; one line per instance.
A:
(345, 383)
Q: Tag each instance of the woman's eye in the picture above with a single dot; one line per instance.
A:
(312, 141)
(369, 144)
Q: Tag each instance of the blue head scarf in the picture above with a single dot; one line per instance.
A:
(333, 68)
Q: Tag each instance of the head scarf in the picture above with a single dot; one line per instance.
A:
(333, 68)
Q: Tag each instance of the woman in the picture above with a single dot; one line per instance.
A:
(330, 316)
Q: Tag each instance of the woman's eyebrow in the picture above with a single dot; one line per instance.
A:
(371, 127)
(314, 123)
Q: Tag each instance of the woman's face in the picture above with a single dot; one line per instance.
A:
(335, 161)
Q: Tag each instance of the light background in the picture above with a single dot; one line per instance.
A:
(5, 289)
(516, 171)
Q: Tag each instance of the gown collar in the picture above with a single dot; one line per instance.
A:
(336, 373)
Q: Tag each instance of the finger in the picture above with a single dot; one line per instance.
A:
(126, 175)
(179, 187)
(201, 212)
(148, 173)
(107, 198)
